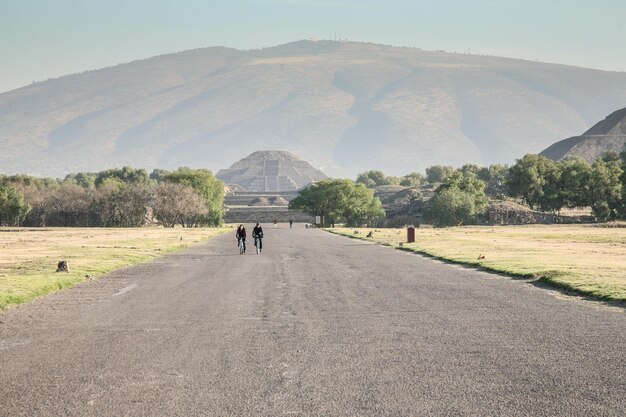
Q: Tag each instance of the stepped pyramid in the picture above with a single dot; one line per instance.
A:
(609, 135)
(270, 171)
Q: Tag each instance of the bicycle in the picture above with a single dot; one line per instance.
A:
(242, 246)
(258, 243)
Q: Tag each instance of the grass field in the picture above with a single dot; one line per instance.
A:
(28, 257)
(588, 259)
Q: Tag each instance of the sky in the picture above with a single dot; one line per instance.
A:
(42, 39)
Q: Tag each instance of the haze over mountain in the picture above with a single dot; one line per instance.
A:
(345, 107)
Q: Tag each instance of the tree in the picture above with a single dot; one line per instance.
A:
(605, 188)
(339, 200)
(451, 207)
(372, 179)
(470, 169)
(178, 204)
(495, 179)
(121, 204)
(38, 197)
(459, 200)
(527, 179)
(551, 198)
(622, 207)
(414, 179)
(158, 174)
(438, 173)
(69, 205)
(574, 182)
(126, 174)
(470, 184)
(13, 209)
(84, 179)
(207, 186)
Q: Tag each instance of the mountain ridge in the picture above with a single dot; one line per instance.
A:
(343, 106)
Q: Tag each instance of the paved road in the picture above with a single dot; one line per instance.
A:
(317, 325)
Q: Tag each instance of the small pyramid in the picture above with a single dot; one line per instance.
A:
(270, 171)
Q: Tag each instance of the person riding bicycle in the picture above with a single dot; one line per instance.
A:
(257, 234)
(241, 237)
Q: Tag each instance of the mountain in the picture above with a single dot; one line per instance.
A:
(343, 106)
(609, 135)
(267, 171)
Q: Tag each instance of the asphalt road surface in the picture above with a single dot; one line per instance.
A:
(317, 325)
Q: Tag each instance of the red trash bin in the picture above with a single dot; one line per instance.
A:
(410, 235)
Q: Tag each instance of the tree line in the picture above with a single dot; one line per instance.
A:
(120, 197)
(462, 194)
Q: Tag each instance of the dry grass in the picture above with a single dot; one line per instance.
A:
(28, 257)
(588, 259)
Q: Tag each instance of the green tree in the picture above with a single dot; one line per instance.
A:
(451, 207)
(495, 179)
(459, 200)
(438, 173)
(207, 186)
(414, 179)
(527, 179)
(551, 198)
(622, 208)
(605, 188)
(125, 174)
(13, 209)
(158, 174)
(469, 183)
(339, 200)
(574, 182)
(84, 179)
(372, 179)
(470, 169)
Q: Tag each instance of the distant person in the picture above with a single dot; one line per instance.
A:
(257, 235)
(275, 223)
(241, 238)
(290, 223)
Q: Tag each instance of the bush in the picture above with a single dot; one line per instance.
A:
(13, 209)
(452, 207)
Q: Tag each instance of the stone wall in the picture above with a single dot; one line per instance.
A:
(265, 215)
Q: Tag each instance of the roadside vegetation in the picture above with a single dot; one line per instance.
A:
(461, 196)
(125, 197)
(29, 257)
(588, 259)
(339, 201)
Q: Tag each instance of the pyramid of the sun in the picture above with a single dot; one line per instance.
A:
(270, 171)
(609, 135)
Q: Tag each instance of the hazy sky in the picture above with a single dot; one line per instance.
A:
(47, 38)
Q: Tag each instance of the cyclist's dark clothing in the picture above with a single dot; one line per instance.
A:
(257, 234)
(241, 237)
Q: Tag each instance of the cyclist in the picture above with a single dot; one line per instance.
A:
(257, 234)
(241, 239)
